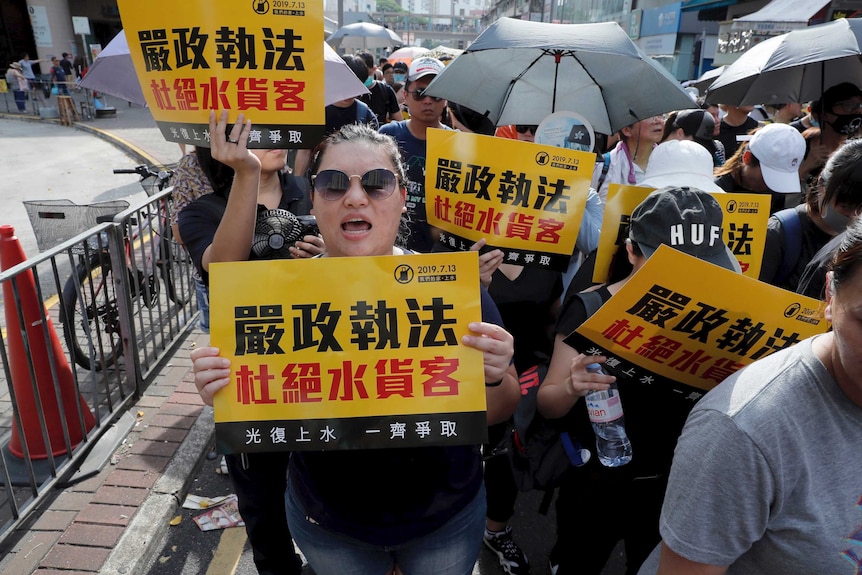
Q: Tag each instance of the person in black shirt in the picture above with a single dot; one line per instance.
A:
(66, 64)
(736, 122)
(381, 98)
(836, 116)
(419, 509)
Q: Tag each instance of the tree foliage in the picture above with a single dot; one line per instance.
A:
(388, 6)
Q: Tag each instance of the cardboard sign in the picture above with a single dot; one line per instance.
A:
(744, 226)
(348, 353)
(688, 324)
(524, 199)
(264, 59)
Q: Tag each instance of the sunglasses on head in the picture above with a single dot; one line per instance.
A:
(524, 129)
(420, 95)
(379, 183)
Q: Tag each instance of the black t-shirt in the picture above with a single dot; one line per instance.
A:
(199, 220)
(382, 101)
(389, 496)
(526, 305)
(812, 238)
(813, 280)
(357, 112)
(727, 134)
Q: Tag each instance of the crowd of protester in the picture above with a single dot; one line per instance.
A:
(762, 480)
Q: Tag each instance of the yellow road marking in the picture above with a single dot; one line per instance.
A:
(228, 552)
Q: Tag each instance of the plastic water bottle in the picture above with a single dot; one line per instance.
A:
(606, 415)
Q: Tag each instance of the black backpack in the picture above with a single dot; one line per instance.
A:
(541, 451)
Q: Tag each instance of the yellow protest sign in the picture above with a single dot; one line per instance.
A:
(524, 199)
(682, 325)
(744, 226)
(348, 353)
(263, 59)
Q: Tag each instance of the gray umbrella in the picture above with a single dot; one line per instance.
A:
(520, 71)
(793, 67)
(364, 35)
(705, 79)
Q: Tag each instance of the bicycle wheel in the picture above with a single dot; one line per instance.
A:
(94, 316)
(175, 266)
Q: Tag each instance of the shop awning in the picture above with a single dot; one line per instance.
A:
(692, 5)
(780, 16)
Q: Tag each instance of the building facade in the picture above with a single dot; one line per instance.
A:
(688, 37)
(46, 28)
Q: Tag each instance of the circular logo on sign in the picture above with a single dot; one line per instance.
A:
(404, 274)
(542, 158)
(731, 206)
(260, 6)
(792, 310)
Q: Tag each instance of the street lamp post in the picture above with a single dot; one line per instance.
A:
(409, 17)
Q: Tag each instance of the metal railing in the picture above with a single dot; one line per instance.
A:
(86, 325)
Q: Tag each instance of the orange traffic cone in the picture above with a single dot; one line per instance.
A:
(29, 401)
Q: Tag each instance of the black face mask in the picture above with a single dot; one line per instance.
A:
(848, 124)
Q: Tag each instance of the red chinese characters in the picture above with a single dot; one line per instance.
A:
(387, 378)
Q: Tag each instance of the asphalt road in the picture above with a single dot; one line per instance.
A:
(50, 162)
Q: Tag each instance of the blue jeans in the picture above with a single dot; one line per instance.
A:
(203, 298)
(20, 100)
(450, 550)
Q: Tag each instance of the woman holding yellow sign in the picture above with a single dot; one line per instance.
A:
(420, 510)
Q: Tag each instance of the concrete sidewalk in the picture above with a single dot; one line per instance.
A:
(114, 521)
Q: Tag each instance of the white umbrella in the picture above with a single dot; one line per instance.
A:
(364, 35)
(793, 67)
(519, 71)
(112, 72)
(440, 52)
(407, 54)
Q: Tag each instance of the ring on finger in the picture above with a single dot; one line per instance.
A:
(233, 140)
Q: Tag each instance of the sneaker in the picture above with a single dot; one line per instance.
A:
(512, 559)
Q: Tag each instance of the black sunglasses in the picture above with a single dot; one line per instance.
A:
(379, 183)
(524, 129)
(420, 95)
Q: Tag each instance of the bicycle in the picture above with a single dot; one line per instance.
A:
(91, 315)
(154, 180)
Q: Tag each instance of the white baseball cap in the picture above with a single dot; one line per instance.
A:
(780, 149)
(424, 66)
(680, 163)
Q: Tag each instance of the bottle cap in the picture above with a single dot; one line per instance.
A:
(585, 456)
